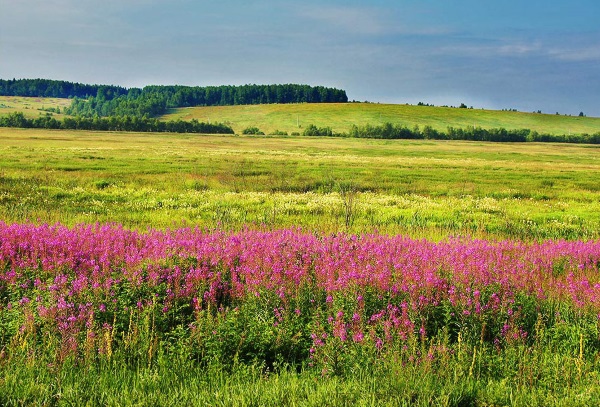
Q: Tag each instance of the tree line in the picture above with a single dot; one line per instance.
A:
(56, 89)
(114, 123)
(152, 101)
(384, 131)
(469, 133)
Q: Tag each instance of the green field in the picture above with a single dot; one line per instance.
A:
(428, 189)
(340, 117)
(139, 353)
(32, 107)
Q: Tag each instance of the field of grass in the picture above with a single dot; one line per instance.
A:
(32, 107)
(247, 270)
(422, 188)
(340, 117)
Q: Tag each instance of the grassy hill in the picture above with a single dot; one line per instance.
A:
(340, 117)
(32, 107)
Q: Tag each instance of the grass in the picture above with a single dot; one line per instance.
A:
(385, 384)
(421, 188)
(424, 189)
(32, 107)
(340, 117)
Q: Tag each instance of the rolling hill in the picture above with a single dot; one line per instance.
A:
(291, 118)
(341, 116)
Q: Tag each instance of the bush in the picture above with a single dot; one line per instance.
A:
(253, 130)
(313, 130)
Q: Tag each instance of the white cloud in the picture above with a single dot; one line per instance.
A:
(580, 53)
(577, 54)
(486, 48)
(366, 21)
(352, 19)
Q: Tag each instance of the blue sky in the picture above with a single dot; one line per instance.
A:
(526, 55)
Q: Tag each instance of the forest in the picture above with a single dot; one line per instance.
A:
(151, 101)
(55, 89)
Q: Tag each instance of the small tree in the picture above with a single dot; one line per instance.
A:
(581, 114)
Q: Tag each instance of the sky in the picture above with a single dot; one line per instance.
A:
(526, 55)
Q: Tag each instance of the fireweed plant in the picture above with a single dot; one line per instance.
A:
(286, 297)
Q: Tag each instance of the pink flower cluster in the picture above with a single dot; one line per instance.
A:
(72, 275)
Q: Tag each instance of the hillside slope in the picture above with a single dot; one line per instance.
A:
(341, 116)
(32, 107)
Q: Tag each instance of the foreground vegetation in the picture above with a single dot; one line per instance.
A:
(302, 277)
(99, 314)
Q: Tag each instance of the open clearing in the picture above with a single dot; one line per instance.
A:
(423, 188)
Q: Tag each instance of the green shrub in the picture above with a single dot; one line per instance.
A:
(253, 130)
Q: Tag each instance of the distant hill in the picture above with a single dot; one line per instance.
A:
(341, 116)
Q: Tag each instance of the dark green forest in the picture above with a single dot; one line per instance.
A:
(56, 89)
(152, 101)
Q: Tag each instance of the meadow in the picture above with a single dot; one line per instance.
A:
(169, 269)
(341, 116)
(426, 189)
